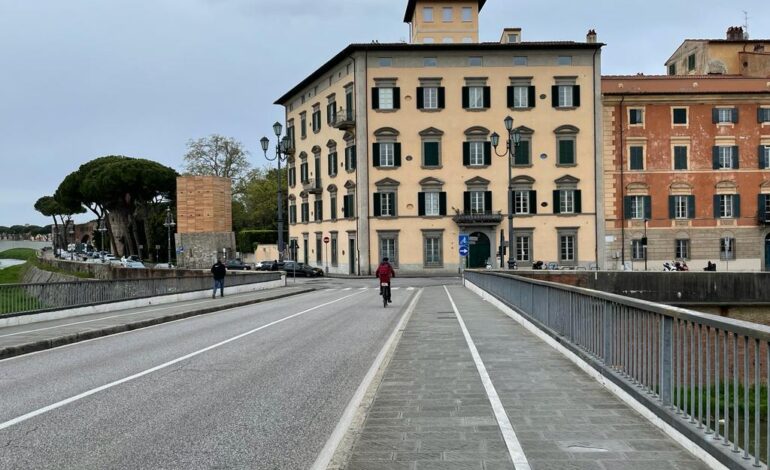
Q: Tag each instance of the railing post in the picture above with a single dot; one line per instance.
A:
(666, 358)
(607, 333)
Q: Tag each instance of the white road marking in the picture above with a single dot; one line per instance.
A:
(410, 288)
(347, 288)
(363, 288)
(509, 435)
(88, 393)
(323, 459)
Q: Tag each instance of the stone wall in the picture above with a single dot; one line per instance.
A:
(200, 250)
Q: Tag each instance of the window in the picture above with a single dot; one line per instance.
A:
(432, 252)
(385, 204)
(386, 62)
(349, 206)
(636, 157)
(427, 41)
(477, 202)
(446, 14)
(427, 14)
(521, 202)
(566, 197)
(432, 204)
(638, 207)
(316, 119)
(350, 158)
(303, 172)
(303, 125)
(680, 157)
(334, 250)
(682, 248)
(681, 207)
(523, 248)
(763, 115)
(386, 98)
(292, 212)
(672, 69)
(318, 249)
(725, 157)
(520, 60)
(389, 246)
(305, 211)
(636, 116)
(429, 98)
(447, 40)
(567, 201)
(467, 14)
(431, 154)
(564, 60)
(724, 115)
(333, 206)
(764, 156)
(332, 163)
(691, 62)
(430, 62)
(567, 248)
(566, 150)
(522, 151)
(387, 154)
(726, 205)
(521, 95)
(292, 175)
(474, 61)
(476, 154)
(318, 210)
(475, 97)
(565, 95)
(637, 249)
(679, 116)
(726, 248)
(331, 112)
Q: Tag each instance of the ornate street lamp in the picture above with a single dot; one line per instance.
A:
(281, 153)
(102, 228)
(514, 137)
(169, 224)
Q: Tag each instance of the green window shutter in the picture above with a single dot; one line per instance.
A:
(637, 158)
(487, 97)
(487, 202)
(567, 152)
(578, 202)
(397, 154)
(761, 156)
(396, 98)
(466, 202)
(533, 202)
(737, 206)
(627, 207)
(555, 96)
(680, 158)
(375, 98)
(556, 201)
(531, 97)
(377, 208)
(735, 115)
(715, 156)
(521, 157)
(353, 157)
(690, 207)
(510, 97)
(442, 203)
(420, 203)
(714, 115)
(441, 97)
(466, 153)
(576, 95)
(759, 115)
(716, 206)
(672, 207)
(648, 207)
(466, 98)
(430, 151)
(420, 97)
(736, 157)
(762, 215)
(376, 154)
(487, 153)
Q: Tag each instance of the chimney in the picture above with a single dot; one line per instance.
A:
(735, 33)
(591, 36)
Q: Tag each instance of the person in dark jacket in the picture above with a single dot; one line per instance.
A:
(384, 273)
(219, 271)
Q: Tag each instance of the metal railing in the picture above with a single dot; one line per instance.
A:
(32, 298)
(710, 374)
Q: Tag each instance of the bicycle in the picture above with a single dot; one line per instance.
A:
(385, 293)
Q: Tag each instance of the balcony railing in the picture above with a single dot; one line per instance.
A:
(312, 185)
(344, 119)
(478, 218)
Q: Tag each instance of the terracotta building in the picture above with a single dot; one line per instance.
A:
(687, 167)
(393, 155)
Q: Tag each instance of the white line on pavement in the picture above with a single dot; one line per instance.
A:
(325, 457)
(509, 435)
(85, 394)
(347, 288)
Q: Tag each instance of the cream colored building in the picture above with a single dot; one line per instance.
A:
(736, 54)
(392, 149)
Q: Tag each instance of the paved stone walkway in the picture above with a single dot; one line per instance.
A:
(431, 410)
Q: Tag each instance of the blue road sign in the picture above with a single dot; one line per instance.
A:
(464, 239)
(463, 250)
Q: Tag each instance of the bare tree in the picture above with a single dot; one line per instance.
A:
(216, 155)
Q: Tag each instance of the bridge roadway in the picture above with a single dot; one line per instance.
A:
(276, 385)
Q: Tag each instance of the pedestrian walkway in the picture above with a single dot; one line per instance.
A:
(23, 339)
(433, 410)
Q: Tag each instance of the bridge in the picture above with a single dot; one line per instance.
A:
(491, 371)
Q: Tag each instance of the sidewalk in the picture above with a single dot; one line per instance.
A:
(431, 410)
(24, 339)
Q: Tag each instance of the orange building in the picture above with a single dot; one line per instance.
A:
(687, 170)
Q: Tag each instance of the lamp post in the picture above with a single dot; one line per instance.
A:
(514, 137)
(281, 153)
(102, 228)
(169, 223)
(71, 231)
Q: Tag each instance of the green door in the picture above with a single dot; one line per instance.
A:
(767, 253)
(479, 250)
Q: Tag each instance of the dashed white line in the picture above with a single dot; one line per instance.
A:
(88, 393)
(509, 435)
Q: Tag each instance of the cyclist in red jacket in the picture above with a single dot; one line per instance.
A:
(384, 273)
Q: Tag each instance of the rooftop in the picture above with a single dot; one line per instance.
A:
(412, 3)
(682, 84)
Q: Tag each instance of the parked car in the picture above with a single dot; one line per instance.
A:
(264, 265)
(237, 265)
(293, 268)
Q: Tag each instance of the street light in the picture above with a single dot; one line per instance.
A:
(281, 153)
(71, 231)
(102, 228)
(169, 224)
(514, 137)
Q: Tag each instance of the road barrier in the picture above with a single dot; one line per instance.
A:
(16, 299)
(706, 376)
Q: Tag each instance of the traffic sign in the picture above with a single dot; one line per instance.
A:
(463, 239)
(326, 239)
(463, 250)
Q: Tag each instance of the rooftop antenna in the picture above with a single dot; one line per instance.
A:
(745, 24)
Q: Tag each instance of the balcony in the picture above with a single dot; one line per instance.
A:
(344, 119)
(473, 218)
(312, 186)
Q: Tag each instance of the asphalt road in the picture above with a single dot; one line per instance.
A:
(241, 388)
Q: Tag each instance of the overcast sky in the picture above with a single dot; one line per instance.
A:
(80, 79)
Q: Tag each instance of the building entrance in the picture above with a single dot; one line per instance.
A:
(479, 250)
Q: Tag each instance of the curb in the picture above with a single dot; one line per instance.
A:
(42, 345)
